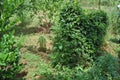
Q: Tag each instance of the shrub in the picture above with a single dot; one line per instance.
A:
(67, 40)
(99, 71)
(9, 58)
(9, 51)
(8, 8)
(97, 26)
(78, 36)
(65, 74)
(105, 68)
(25, 12)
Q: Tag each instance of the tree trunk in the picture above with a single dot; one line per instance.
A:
(99, 3)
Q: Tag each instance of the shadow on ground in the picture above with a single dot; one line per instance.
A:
(22, 29)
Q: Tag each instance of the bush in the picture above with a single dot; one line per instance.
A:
(9, 51)
(97, 26)
(68, 35)
(46, 10)
(106, 68)
(26, 11)
(65, 74)
(78, 36)
(9, 58)
(99, 71)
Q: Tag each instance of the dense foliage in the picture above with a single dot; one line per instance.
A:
(105, 68)
(9, 58)
(78, 36)
(99, 71)
(46, 10)
(97, 27)
(9, 51)
(78, 53)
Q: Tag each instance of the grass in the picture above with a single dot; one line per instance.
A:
(35, 65)
(35, 62)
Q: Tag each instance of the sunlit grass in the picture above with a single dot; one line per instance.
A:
(35, 65)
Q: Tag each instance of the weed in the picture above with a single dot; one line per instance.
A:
(42, 43)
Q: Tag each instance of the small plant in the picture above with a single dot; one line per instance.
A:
(42, 43)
